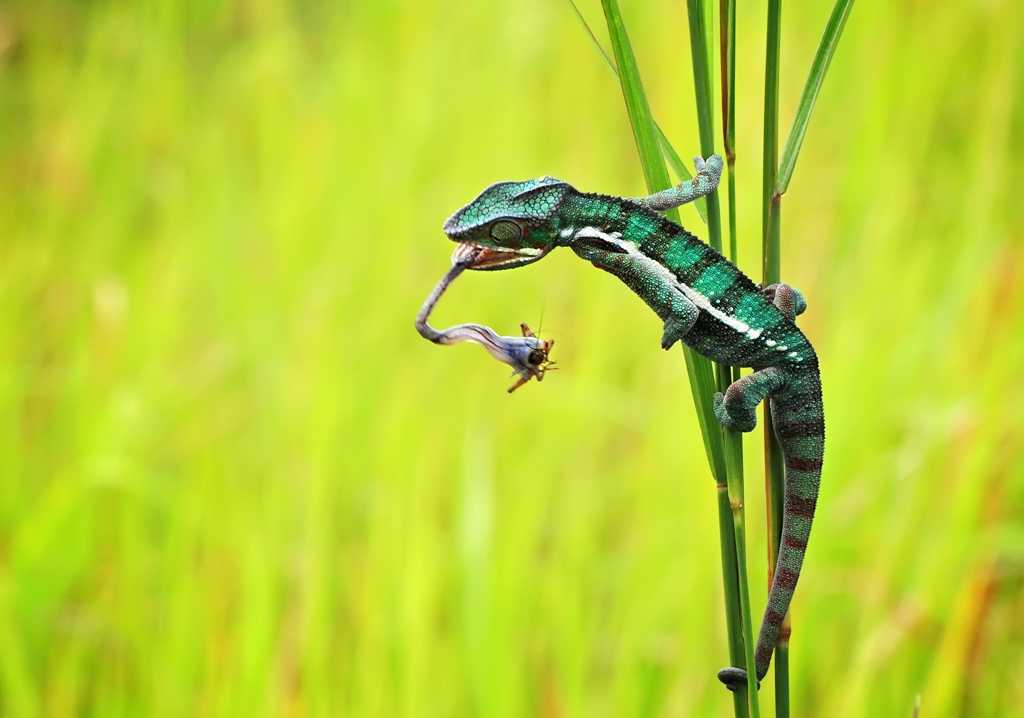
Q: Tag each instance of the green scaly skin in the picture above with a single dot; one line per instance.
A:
(704, 301)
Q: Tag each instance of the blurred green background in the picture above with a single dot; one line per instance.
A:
(236, 482)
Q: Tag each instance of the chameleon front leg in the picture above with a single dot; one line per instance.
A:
(705, 182)
(651, 281)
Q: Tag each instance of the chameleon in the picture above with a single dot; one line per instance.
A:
(704, 301)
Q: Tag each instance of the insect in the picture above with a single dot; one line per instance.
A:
(537, 362)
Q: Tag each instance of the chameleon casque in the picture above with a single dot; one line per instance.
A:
(704, 301)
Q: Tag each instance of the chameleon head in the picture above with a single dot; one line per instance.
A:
(509, 225)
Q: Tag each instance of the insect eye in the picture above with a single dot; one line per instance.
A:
(504, 230)
(536, 357)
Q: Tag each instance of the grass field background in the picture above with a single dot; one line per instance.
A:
(234, 481)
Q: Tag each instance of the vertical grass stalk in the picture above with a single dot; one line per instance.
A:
(776, 176)
(698, 13)
(727, 66)
(723, 448)
(770, 229)
(702, 384)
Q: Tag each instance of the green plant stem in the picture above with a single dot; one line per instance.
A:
(705, 125)
(730, 586)
(698, 14)
(727, 63)
(734, 467)
(702, 384)
(776, 177)
(769, 208)
(771, 214)
(782, 669)
(705, 121)
(656, 176)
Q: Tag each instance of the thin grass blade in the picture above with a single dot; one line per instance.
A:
(822, 59)
(771, 213)
(679, 168)
(727, 63)
(699, 52)
(700, 23)
(699, 370)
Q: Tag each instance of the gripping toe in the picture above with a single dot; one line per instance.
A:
(720, 413)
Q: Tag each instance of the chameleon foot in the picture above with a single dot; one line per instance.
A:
(712, 167)
(789, 300)
(675, 330)
(734, 678)
(737, 419)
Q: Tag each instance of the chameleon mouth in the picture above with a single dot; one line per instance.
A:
(482, 257)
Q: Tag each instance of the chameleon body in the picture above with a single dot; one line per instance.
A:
(704, 301)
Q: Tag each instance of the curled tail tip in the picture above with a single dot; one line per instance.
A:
(735, 678)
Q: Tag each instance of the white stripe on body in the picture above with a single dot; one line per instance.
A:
(698, 299)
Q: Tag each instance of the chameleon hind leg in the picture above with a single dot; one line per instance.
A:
(736, 408)
(787, 300)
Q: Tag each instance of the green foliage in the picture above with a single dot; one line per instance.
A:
(236, 482)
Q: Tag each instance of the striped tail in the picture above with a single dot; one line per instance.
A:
(799, 420)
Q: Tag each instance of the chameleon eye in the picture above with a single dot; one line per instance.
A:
(505, 231)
